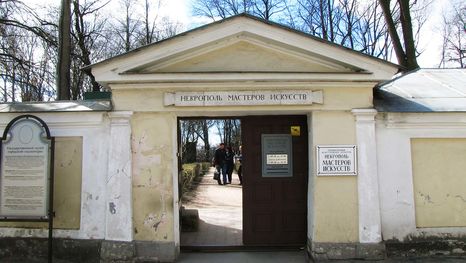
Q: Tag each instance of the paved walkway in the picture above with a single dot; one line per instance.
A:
(296, 257)
(244, 257)
(220, 213)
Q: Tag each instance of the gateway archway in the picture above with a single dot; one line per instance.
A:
(211, 209)
(274, 193)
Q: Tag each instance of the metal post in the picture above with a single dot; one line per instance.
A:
(51, 212)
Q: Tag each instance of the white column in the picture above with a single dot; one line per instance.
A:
(119, 212)
(368, 186)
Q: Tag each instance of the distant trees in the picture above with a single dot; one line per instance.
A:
(29, 44)
(356, 24)
(454, 35)
(27, 50)
(195, 135)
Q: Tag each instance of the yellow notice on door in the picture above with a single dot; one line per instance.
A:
(295, 130)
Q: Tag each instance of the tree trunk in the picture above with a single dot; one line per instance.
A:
(64, 52)
(322, 20)
(205, 131)
(330, 20)
(406, 58)
(407, 27)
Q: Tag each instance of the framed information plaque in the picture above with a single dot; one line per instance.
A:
(336, 160)
(277, 159)
(25, 175)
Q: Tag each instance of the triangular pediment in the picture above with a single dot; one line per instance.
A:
(245, 53)
(242, 49)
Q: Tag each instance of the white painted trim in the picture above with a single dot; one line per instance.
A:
(61, 120)
(187, 86)
(424, 120)
(311, 180)
(119, 201)
(368, 185)
(240, 77)
(176, 201)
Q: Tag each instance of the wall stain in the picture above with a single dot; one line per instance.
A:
(112, 208)
(461, 197)
(153, 221)
(426, 198)
(156, 225)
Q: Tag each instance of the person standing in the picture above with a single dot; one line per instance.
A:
(229, 162)
(220, 164)
(239, 158)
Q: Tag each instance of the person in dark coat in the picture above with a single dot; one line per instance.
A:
(229, 162)
(239, 158)
(220, 164)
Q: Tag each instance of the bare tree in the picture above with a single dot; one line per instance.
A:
(220, 9)
(127, 26)
(85, 35)
(189, 139)
(229, 131)
(25, 55)
(150, 24)
(404, 46)
(267, 8)
(321, 18)
(29, 44)
(355, 24)
(371, 35)
(454, 36)
(154, 27)
(203, 132)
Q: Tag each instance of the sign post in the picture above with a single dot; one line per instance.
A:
(26, 173)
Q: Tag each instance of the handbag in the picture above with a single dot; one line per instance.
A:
(216, 176)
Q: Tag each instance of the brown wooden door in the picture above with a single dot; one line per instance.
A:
(274, 208)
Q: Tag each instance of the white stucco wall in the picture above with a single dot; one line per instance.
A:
(394, 132)
(93, 127)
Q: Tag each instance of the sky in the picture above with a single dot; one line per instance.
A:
(429, 42)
